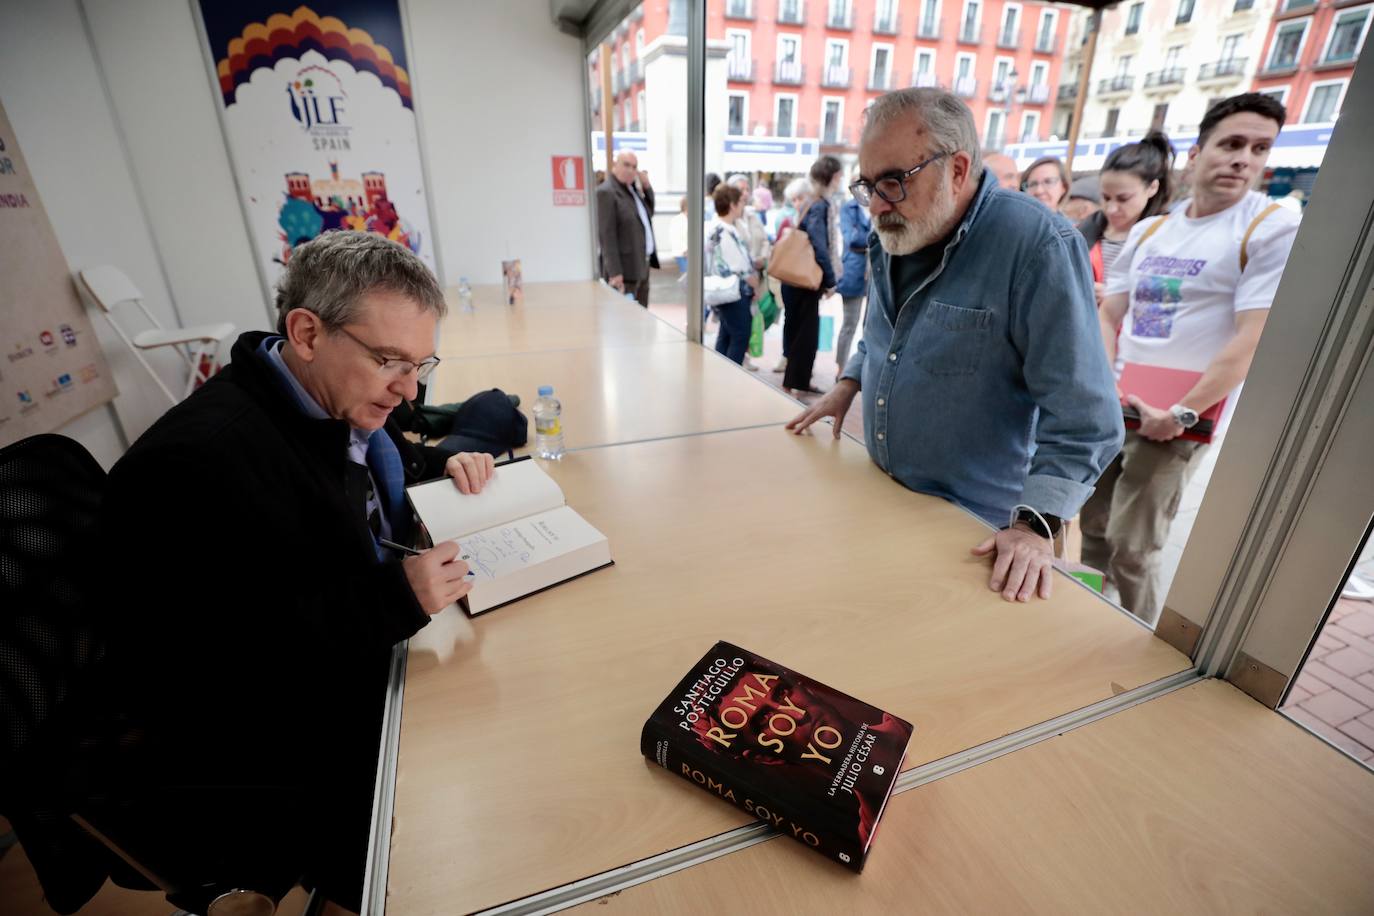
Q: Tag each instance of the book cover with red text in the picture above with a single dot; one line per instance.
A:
(815, 764)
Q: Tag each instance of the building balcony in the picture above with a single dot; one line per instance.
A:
(1066, 93)
(929, 30)
(836, 138)
(1038, 94)
(634, 73)
(1280, 68)
(788, 73)
(966, 88)
(840, 18)
(1116, 85)
(999, 92)
(633, 127)
(879, 82)
(925, 80)
(734, 9)
(1009, 38)
(887, 25)
(739, 71)
(617, 81)
(637, 13)
(1221, 70)
(791, 12)
(971, 36)
(1169, 78)
(835, 77)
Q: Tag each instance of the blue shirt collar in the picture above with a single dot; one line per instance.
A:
(271, 350)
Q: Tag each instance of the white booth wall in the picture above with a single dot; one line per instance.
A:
(498, 89)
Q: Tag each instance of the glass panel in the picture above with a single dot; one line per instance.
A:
(649, 123)
(1287, 43)
(1322, 108)
(1345, 37)
(1333, 691)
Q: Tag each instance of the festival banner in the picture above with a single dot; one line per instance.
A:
(319, 122)
(53, 369)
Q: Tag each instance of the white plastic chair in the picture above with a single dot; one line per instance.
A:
(108, 287)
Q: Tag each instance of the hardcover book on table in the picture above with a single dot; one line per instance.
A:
(518, 536)
(812, 762)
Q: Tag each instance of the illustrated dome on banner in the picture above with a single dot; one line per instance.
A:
(262, 44)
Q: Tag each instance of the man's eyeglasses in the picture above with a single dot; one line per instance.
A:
(890, 187)
(396, 368)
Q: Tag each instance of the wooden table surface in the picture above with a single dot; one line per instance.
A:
(519, 766)
(1200, 801)
(624, 394)
(553, 316)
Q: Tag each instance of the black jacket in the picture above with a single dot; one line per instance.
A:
(620, 232)
(250, 620)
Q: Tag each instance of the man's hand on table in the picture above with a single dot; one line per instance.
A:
(437, 577)
(470, 471)
(835, 404)
(1022, 563)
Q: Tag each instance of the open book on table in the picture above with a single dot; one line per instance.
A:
(518, 535)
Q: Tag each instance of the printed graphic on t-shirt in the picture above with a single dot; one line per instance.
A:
(1158, 294)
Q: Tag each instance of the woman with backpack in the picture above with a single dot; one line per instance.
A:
(1134, 185)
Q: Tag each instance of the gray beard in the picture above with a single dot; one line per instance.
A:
(905, 236)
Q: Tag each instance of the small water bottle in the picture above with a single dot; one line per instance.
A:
(464, 295)
(548, 425)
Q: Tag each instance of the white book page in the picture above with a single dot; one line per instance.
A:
(509, 549)
(518, 490)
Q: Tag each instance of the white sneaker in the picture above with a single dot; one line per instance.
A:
(1357, 589)
(781, 366)
(749, 364)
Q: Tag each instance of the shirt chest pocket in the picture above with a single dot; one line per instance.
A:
(950, 339)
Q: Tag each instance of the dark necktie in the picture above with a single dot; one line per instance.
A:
(360, 494)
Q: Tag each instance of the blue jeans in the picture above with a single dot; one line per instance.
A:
(736, 323)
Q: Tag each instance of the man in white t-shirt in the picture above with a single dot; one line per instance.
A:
(1190, 290)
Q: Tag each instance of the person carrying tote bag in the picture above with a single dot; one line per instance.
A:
(725, 283)
(803, 285)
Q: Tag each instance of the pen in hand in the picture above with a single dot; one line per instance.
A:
(411, 551)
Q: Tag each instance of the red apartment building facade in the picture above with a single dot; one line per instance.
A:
(809, 68)
(1310, 53)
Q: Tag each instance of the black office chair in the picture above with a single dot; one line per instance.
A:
(181, 840)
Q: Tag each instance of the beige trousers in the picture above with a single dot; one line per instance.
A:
(1125, 523)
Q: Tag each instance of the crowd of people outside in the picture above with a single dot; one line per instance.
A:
(1100, 325)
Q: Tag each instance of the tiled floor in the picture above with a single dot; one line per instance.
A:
(1334, 692)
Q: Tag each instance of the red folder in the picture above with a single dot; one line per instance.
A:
(1163, 388)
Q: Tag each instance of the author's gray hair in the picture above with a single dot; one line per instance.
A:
(329, 274)
(942, 114)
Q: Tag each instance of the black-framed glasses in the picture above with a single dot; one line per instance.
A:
(890, 187)
(390, 365)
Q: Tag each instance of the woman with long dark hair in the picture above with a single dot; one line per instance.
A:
(1134, 184)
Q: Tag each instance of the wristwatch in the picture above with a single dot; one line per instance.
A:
(1184, 416)
(1032, 520)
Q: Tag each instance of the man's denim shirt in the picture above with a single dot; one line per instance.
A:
(993, 388)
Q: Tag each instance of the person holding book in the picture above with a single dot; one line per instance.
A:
(981, 364)
(1188, 293)
(249, 644)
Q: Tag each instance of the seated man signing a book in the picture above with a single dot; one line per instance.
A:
(254, 600)
(1188, 294)
(981, 365)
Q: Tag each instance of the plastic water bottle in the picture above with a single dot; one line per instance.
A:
(464, 295)
(548, 425)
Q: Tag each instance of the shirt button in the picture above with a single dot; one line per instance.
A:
(882, 401)
(881, 437)
(892, 357)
